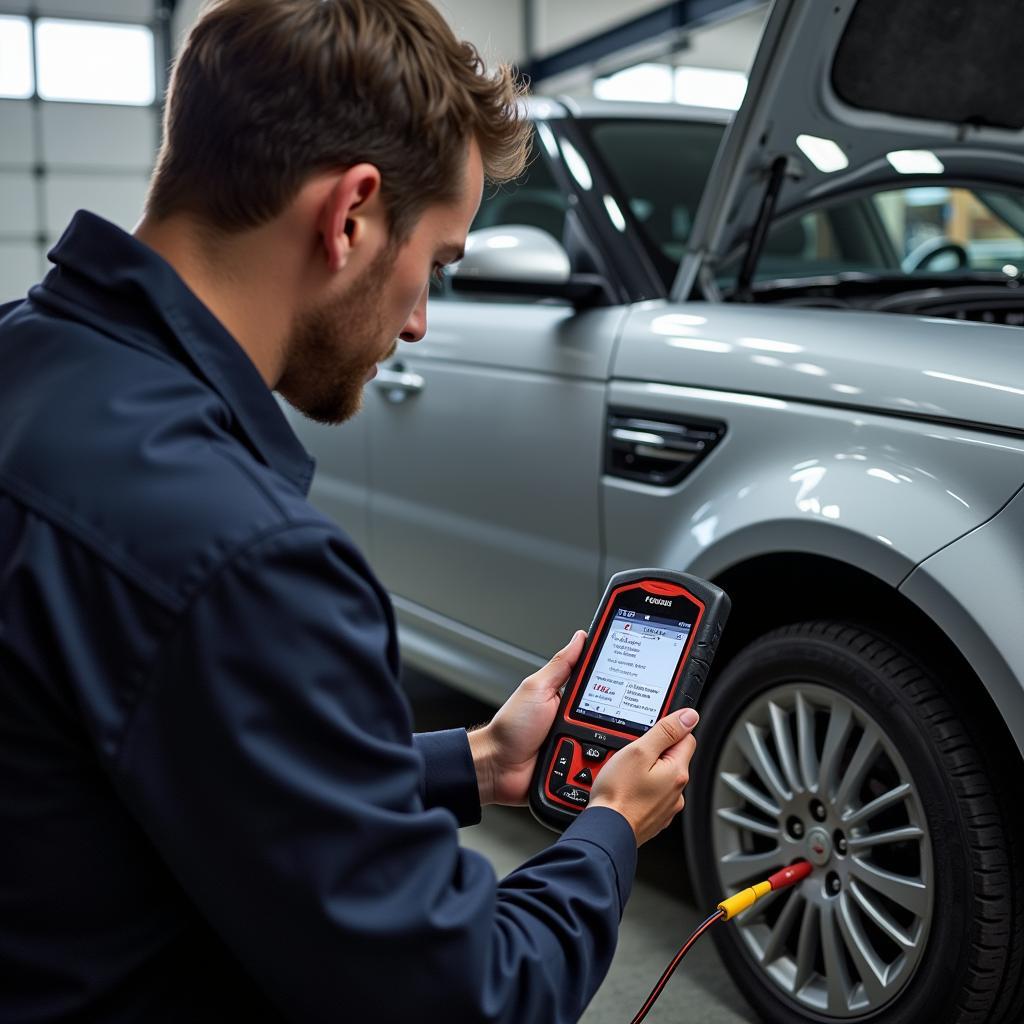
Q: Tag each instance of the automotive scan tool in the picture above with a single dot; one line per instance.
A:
(647, 654)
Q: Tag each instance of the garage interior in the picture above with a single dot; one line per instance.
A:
(81, 105)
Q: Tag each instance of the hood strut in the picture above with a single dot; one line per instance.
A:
(776, 176)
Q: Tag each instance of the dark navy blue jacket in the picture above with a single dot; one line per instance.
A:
(211, 804)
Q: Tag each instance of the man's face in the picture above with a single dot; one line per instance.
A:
(335, 345)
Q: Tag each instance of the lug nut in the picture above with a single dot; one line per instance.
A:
(839, 840)
(832, 884)
(795, 827)
(818, 811)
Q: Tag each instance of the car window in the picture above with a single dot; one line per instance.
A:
(533, 199)
(947, 229)
(659, 169)
(907, 231)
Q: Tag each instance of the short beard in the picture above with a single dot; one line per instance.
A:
(333, 347)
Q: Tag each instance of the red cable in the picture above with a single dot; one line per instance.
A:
(780, 880)
(663, 980)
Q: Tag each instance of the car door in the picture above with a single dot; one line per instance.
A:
(486, 449)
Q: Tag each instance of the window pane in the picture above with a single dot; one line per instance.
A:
(15, 58)
(534, 199)
(89, 62)
(659, 169)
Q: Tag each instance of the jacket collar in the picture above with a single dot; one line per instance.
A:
(127, 290)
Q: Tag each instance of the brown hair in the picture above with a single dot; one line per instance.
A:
(266, 93)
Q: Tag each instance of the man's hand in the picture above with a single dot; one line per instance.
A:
(645, 780)
(505, 750)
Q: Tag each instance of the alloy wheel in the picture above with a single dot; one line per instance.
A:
(806, 773)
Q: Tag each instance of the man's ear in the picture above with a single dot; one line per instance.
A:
(348, 211)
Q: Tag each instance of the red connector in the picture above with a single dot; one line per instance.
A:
(790, 876)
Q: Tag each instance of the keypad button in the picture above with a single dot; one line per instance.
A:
(560, 765)
(574, 795)
(584, 777)
(592, 752)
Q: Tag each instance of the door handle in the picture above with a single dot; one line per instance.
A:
(398, 384)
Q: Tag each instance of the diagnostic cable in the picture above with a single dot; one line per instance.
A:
(727, 909)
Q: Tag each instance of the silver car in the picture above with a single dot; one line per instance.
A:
(781, 354)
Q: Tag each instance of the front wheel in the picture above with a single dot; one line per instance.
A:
(822, 741)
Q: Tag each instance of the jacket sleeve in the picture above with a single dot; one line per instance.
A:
(270, 761)
(449, 776)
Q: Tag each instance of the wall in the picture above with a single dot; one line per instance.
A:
(56, 158)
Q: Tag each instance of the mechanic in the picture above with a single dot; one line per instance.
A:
(211, 803)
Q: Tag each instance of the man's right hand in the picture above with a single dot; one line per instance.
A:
(644, 781)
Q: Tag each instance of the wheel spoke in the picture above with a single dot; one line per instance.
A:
(845, 945)
(751, 794)
(807, 946)
(870, 968)
(784, 745)
(776, 944)
(739, 868)
(859, 764)
(805, 742)
(751, 742)
(837, 978)
(895, 835)
(839, 724)
(909, 893)
(882, 918)
(744, 821)
(879, 804)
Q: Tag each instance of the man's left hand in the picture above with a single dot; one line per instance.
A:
(505, 750)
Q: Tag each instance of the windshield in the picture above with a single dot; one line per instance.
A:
(905, 232)
(660, 169)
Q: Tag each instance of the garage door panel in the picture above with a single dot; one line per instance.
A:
(17, 204)
(19, 269)
(16, 132)
(129, 10)
(117, 198)
(79, 135)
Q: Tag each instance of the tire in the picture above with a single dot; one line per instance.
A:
(791, 720)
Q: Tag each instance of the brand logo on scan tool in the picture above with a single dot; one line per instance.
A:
(658, 600)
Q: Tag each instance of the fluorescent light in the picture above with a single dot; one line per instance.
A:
(650, 83)
(676, 323)
(577, 165)
(15, 58)
(700, 344)
(93, 62)
(547, 137)
(771, 345)
(710, 87)
(823, 153)
(915, 161)
(938, 375)
(502, 242)
(811, 369)
(614, 213)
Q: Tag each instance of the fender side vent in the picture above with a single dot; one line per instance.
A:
(659, 451)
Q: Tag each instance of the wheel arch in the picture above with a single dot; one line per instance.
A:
(805, 586)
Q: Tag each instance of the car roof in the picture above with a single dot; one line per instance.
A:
(545, 108)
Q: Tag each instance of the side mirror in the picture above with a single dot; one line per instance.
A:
(516, 259)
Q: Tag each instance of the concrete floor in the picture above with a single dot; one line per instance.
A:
(659, 916)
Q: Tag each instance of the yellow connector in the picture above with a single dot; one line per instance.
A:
(747, 898)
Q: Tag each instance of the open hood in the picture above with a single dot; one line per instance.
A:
(861, 94)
